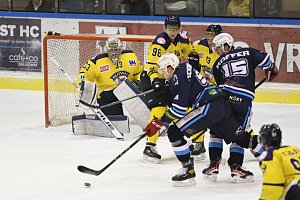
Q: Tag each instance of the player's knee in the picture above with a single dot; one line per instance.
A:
(244, 141)
(174, 135)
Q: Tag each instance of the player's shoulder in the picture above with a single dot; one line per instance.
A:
(183, 69)
(203, 42)
(289, 150)
(271, 153)
(183, 39)
(160, 39)
(127, 51)
(99, 57)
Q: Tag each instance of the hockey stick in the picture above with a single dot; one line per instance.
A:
(116, 102)
(90, 171)
(261, 82)
(97, 112)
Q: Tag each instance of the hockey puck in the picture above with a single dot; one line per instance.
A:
(87, 184)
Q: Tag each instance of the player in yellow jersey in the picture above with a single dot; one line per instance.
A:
(108, 70)
(280, 166)
(170, 41)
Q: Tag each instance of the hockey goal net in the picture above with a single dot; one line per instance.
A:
(70, 52)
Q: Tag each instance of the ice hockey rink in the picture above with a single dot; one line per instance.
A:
(38, 163)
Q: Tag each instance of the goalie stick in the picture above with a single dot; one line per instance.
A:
(97, 112)
(90, 171)
(116, 102)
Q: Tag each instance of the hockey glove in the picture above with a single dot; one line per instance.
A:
(194, 60)
(158, 85)
(154, 126)
(271, 73)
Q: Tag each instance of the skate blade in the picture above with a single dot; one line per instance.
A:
(147, 159)
(213, 177)
(200, 157)
(185, 183)
(248, 179)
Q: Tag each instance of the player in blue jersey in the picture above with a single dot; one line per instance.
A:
(210, 110)
(234, 72)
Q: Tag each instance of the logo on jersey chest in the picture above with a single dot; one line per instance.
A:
(104, 68)
(119, 76)
(161, 40)
(132, 62)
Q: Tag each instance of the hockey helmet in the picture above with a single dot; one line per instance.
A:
(220, 40)
(167, 60)
(213, 30)
(172, 21)
(270, 135)
(113, 47)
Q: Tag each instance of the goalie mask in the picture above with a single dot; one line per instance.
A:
(113, 47)
(270, 135)
(220, 41)
(166, 61)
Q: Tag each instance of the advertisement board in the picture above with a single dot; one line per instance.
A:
(20, 44)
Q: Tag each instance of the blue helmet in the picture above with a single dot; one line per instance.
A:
(172, 21)
(270, 134)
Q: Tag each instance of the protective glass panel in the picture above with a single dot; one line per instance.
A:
(33, 5)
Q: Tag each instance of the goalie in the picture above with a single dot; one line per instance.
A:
(105, 72)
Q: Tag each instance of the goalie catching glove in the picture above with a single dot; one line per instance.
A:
(271, 73)
(154, 126)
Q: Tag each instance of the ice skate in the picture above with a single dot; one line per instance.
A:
(198, 151)
(150, 155)
(241, 175)
(211, 172)
(185, 176)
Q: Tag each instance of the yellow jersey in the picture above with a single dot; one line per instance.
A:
(106, 74)
(207, 58)
(281, 170)
(162, 44)
(239, 8)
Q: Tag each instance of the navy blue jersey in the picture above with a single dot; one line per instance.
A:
(189, 90)
(234, 71)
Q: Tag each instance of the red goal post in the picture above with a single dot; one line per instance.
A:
(71, 52)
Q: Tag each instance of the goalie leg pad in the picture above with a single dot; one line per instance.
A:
(136, 106)
(91, 125)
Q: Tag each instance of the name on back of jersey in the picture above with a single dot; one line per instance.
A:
(233, 55)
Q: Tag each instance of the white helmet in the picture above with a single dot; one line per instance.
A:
(113, 47)
(220, 40)
(169, 59)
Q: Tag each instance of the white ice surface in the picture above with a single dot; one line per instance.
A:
(38, 163)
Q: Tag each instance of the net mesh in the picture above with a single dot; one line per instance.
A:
(70, 53)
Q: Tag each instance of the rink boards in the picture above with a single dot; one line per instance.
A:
(267, 92)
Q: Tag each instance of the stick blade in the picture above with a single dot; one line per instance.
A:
(87, 170)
